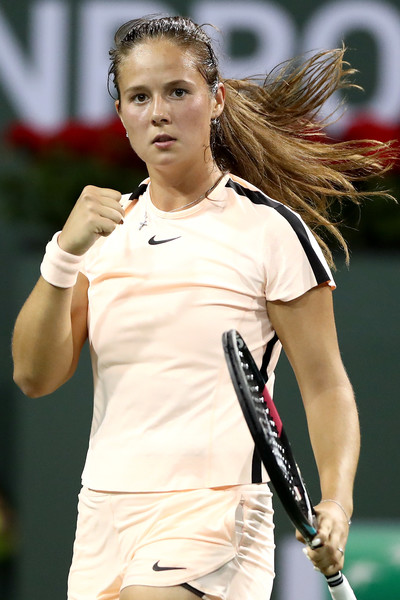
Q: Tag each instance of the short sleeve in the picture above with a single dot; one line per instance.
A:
(294, 262)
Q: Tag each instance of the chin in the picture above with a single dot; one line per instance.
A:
(167, 160)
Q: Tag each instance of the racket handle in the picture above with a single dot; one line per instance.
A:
(340, 588)
(338, 585)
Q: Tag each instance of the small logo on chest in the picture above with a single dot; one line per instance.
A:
(154, 242)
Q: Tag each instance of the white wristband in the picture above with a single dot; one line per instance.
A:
(58, 267)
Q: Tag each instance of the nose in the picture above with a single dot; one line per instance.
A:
(160, 112)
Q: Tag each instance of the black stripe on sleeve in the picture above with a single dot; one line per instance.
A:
(139, 191)
(267, 356)
(256, 472)
(194, 591)
(258, 197)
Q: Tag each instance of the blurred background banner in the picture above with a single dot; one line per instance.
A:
(58, 119)
(54, 53)
(59, 132)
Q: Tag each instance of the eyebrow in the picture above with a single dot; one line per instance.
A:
(175, 82)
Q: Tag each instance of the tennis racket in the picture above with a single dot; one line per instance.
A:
(273, 447)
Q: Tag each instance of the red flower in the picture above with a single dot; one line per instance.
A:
(23, 136)
(367, 127)
(106, 142)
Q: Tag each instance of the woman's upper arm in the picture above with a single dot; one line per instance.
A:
(307, 331)
(79, 312)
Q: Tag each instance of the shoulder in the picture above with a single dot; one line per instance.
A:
(279, 215)
(245, 189)
(129, 200)
(287, 238)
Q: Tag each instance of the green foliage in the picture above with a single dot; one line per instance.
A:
(43, 173)
(42, 176)
(375, 223)
(44, 191)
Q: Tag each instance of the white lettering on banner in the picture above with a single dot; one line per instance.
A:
(98, 22)
(330, 25)
(36, 80)
(36, 84)
(272, 26)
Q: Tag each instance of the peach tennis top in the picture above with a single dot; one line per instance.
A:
(161, 294)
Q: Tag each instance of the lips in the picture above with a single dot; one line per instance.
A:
(163, 137)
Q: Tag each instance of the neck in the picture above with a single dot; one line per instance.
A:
(169, 193)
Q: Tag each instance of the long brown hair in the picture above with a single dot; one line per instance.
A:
(271, 132)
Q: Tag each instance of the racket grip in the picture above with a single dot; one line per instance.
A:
(340, 588)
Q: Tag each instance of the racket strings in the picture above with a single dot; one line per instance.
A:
(265, 419)
(256, 386)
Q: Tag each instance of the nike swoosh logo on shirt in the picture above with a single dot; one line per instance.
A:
(154, 242)
(156, 567)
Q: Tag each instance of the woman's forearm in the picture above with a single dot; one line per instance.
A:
(335, 437)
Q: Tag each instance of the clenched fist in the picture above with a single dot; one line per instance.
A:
(96, 213)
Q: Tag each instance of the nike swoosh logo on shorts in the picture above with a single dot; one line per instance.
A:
(154, 242)
(156, 567)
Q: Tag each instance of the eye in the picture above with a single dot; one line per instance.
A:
(179, 93)
(139, 98)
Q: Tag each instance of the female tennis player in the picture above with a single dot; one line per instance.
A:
(174, 503)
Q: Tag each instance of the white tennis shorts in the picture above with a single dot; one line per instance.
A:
(218, 541)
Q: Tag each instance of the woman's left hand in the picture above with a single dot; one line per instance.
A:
(330, 541)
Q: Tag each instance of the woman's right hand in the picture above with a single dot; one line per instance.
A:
(96, 213)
